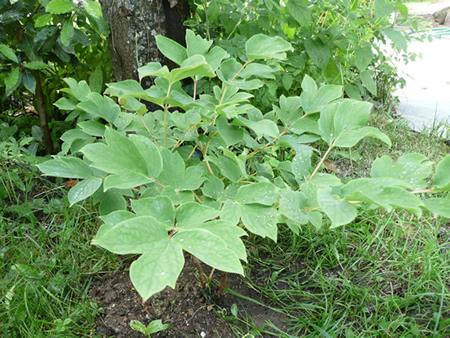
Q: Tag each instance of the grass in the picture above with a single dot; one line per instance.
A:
(46, 258)
(387, 274)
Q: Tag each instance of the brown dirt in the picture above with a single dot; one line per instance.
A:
(189, 310)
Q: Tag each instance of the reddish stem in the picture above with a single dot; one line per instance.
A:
(201, 274)
(223, 284)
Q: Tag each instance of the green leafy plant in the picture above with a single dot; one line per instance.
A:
(153, 327)
(43, 41)
(335, 42)
(198, 174)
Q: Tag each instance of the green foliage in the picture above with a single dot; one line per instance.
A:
(153, 327)
(335, 42)
(38, 37)
(41, 42)
(204, 168)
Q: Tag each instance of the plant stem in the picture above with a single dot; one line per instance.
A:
(226, 87)
(165, 125)
(43, 115)
(201, 274)
(223, 284)
(195, 88)
(321, 161)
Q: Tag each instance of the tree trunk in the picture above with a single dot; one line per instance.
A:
(42, 111)
(134, 26)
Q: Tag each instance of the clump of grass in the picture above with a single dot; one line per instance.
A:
(46, 260)
(386, 274)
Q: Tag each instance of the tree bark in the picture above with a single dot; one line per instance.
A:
(134, 26)
(42, 111)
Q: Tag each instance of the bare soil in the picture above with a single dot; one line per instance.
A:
(190, 310)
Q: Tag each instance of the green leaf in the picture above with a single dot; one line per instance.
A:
(384, 192)
(29, 81)
(84, 189)
(175, 175)
(100, 106)
(171, 49)
(67, 32)
(191, 215)
(342, 123)
(301, 164)
(287, 80)
(8, 52)
(397, 38)
(318, 51)
(43, 20)
(352, 91)
(230, 234)
(93, 128)
(35, 65)
(137, 326)
(213, 187)
(258, 70)
(299, 9)
(438, 206)
(126, 180)
(325, 180)
(159, 207)
(79, 90)
(383, 9)
(132, 236)
(93, 8)
(414, 169)
(209, 248)
(289, 110)
(66, 104)
(369, 82)
(193, 66)
(292, 204)
(121, 155)
(215, 56)
(231, 212)
(196, 45)
(340, 212)
(227, 167)
(260, 220)
(261, 46)
(350, 139)
(239, 160)
(157, 268)
(150, 153)
(261, 128)
(156, 326)
(112, 200)
(68, 167)
(260, 193)
(12, 78)
(96, 80)
(213, 11)
(60, 6)
(442, 177)
(363, 57)
(313, 100)
(308, 124)
(178, 197)
(230, 133)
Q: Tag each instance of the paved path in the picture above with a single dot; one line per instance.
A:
(426, 97)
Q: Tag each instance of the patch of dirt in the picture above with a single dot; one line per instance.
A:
(188, 310)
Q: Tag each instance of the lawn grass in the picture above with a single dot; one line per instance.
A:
(46, 258)
(384, 275)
